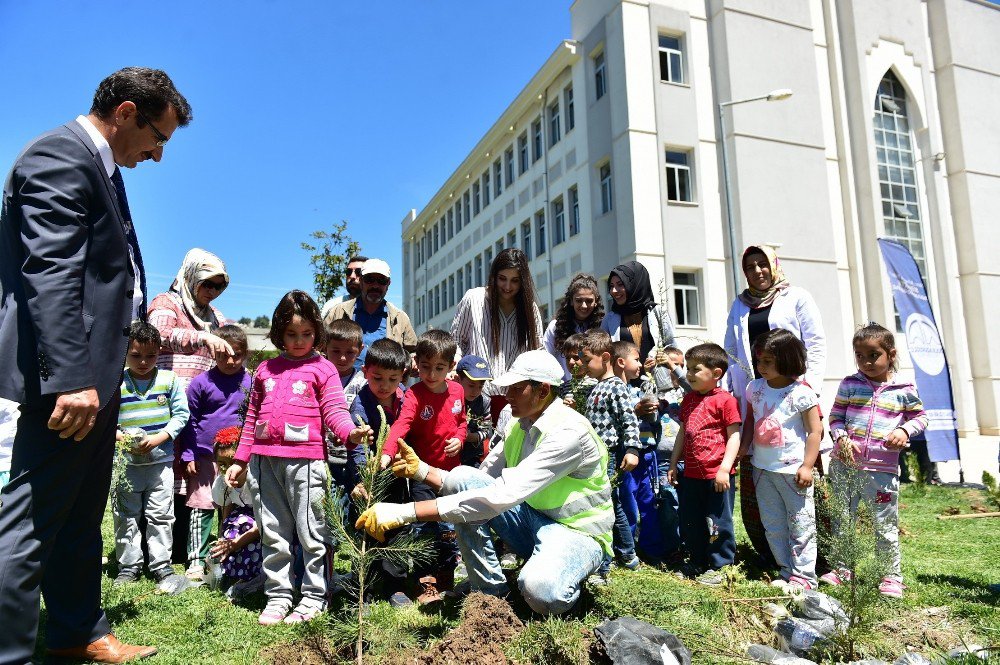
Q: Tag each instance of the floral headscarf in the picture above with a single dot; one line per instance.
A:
(755, 299)
(198, 266)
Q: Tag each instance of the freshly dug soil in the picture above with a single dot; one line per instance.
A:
(487, 624)
(313, 650)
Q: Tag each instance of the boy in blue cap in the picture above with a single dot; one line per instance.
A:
(473, 373)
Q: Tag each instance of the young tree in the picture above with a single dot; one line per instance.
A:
(262, 322)
(245, 321)
(328, 258)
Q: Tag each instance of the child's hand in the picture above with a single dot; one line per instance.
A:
(722, 481)
(359, 492)
(897, 439)
(452, 447)
(383, 462)
(846, 450)
(672, 476)
(236, 474)
(362, 434)
(569, 401)
(804, 476)
(148, 443)
(222, 549)
(629, 462)
(192, 468)
(645, 408)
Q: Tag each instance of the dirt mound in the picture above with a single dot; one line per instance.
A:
(311, 650)
(488, 623)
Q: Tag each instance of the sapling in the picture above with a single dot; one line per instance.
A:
(402, 550)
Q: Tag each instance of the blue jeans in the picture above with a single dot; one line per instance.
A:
(707, 522)
(558, 559)
(626, 512)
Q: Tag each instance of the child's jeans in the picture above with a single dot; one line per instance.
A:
(622, 542)
(881, 491)
(667, 506)
(150, 493)
(639, 504)
(788, 514)
(707, 522)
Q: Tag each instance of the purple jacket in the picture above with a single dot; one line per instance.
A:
(214, 399)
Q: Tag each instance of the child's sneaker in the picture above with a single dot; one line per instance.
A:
(891, 588)
(429, 591)
(126, 576)
(304, 612)
(796, 584)
(508, 561)
(196, 571)
(780, 583)
(835, 577)
(631, 564)
(275, 612)
(711, 578)
(169, 582)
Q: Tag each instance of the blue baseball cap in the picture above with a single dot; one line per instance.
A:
(474, 368)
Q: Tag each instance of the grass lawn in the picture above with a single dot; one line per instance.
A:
(948, 566)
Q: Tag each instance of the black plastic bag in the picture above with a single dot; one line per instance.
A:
(628, 641)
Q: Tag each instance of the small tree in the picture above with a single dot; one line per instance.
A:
(245, 321)
(328, 258)
(362, 551)
(262, 322)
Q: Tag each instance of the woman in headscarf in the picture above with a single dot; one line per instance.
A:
(768, 302)
(185, 318)
(634, 314)
(581, 309)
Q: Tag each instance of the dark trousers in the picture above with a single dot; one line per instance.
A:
(445, 542)
(707, 522)
(50, 533)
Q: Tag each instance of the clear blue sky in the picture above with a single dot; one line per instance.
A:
(305, 113)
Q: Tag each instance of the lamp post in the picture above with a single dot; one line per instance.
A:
(773, 96)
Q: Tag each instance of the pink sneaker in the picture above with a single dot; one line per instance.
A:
(891, 588)
(836, 577)
(796, 583)
(274, 613)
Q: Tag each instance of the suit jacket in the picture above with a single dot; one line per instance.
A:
(64, 271)
(397, 325)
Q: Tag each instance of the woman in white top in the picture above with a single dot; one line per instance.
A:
(768, 302)
(500, 321)
(581, 310)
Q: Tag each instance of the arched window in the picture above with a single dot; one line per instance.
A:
(897, 173)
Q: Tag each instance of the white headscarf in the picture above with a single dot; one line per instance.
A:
(198, 266)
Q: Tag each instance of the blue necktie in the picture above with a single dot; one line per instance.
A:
(133, 240)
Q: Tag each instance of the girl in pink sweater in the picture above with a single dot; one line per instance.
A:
(292, 397)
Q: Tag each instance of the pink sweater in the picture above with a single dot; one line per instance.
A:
(290, 402)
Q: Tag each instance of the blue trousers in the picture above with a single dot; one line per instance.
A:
(707, 522)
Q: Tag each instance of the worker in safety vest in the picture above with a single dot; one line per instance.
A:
(545, 491)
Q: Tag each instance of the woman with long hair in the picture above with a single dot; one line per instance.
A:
(500, 321)
(581, 310)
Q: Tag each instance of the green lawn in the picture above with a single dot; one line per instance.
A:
(948, 565)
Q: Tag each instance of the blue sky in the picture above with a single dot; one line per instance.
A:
(306, 113)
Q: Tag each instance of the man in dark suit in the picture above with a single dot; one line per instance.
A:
(72, 281)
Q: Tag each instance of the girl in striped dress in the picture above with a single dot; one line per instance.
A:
(872, 421)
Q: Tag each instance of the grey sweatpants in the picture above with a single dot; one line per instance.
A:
(288, 502)
(881, 491)
(151, 494)
(788, 514)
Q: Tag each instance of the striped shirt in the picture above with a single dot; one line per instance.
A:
(867, 412)
(473, 332)
(159, 404)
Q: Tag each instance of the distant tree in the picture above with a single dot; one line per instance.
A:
(262, 322)
(245, 321)
(328, 258)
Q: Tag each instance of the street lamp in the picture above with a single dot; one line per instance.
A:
(773, 96)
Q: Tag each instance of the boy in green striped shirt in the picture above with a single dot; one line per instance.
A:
(153, 412)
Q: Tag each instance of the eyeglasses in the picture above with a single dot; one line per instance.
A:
(375, 279)
(215, 286)
(161, 138)
(353, 271)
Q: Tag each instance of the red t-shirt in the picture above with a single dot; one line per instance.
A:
(705, 419)
(426, 420)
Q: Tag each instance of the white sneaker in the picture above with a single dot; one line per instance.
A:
(196, 571)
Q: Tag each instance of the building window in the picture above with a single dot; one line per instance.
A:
(600, 76)
(475, 199)
(468, 276)
(451, 223)
(508, 161)
(437, 239)
(512, 239)
(427, 246)
(460, 281)
(451, 291)
(687, 302)
(606, 191)
(537, 144)
(486, 188)
(479, 270)
(522, 152)
(574, 211)
(468, 207)
(570, 110)
(897, 173)
(488, 260)
(678, 176)
(671, 60)
(458, 215)
(437, 300)
(526, 238)
(497, 178)
(540, 232)
(558, 222)
(555, 124)
(499, 246)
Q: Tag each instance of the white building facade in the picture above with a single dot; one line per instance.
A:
(613, 152)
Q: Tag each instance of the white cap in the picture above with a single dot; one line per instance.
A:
(538, 366)
(375, 267)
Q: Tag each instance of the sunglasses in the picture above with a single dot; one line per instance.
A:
(375, 279)
(353, 271)
(161, 138)
(216, 286)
